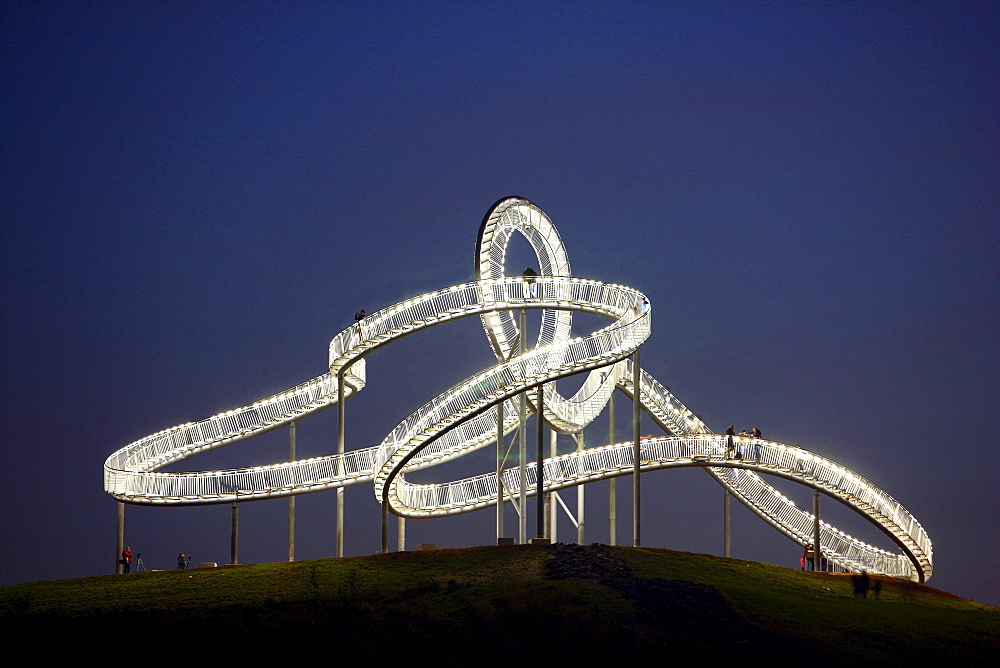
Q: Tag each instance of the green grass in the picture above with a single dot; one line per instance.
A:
(457, 604)
(908, 619)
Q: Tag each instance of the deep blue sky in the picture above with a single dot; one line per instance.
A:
(196, 197)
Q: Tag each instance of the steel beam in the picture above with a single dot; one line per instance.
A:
(725, 522)
(121, 538)
(817, 547)
(291, 499)
(340, 461)
(636, 491)
(540, 466)
(522, 449)
(501, 457)
(234, 536)
(612, 487)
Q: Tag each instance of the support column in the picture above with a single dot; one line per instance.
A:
(817, 546)
(522, 449)
(725, 523)
(401, 534)
(385, 527)
(340, 462)
(234, 536)
(121, 538)
(291, 499)
(501, 492)
(579, 497)
(539, 466)
(547, 532)
(612, 486)
(552, 508)
(636, 496)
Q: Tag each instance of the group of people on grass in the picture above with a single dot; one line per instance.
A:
(126, 560)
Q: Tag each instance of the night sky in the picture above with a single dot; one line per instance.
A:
(196, 197)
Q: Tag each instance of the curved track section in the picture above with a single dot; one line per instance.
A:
(463, 418)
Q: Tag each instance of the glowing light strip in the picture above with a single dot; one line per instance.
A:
(457, 421)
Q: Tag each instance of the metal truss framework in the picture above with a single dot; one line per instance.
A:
(465, 418)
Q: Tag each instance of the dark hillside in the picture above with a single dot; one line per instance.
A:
(492, 605)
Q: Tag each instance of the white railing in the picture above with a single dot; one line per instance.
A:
(176, 443)
(502, 381)
(458, 421)
(129, 471)
(742, 475)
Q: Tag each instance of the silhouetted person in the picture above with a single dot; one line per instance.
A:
(530, 276)
(181, 561)
(877, 589)
(126, 560)
(729, 441)
(861, 585)
(799, 466)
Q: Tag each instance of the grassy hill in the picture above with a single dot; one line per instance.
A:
(494, 605)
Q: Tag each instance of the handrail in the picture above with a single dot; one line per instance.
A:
(461, 420)
(709, 451)
(124, 468)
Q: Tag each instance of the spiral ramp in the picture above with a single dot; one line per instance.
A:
(466, 417)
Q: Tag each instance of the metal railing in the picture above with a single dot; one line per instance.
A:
(129, 472)
(742, 476)
(458, 420)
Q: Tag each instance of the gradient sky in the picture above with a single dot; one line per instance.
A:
(196, 197)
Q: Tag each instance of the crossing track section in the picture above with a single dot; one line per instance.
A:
(466, 417)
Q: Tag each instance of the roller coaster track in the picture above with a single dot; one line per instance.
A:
(466, 417)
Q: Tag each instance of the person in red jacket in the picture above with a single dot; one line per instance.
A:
(126, 560)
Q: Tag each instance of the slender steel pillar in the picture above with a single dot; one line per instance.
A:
(385, 527)
(636, 496)
(234, 536)
(725, 523)
(579, 497)
(612, 487)
(522, 449)
(501, 492)
(540, 467)
(401, 534)
(550, 502)
(817, 546)
(121, 538)
(340, 462)
(291, 499)
(547, 533)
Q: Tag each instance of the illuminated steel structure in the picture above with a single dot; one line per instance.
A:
(467, 416)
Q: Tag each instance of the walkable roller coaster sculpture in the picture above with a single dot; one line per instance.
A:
(477, 412)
